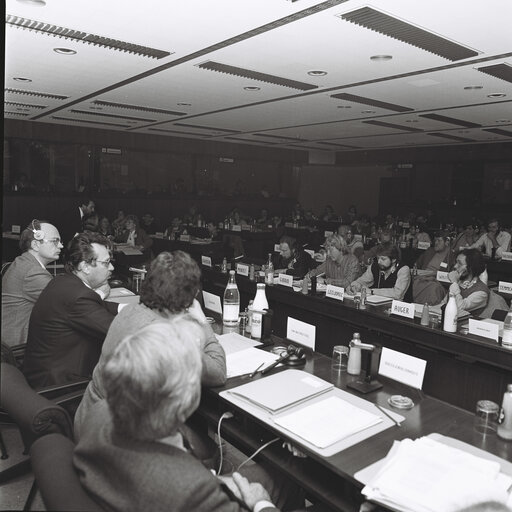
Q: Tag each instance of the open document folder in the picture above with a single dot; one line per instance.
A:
(430, 476)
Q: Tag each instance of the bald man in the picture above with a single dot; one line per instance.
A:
(26, 278)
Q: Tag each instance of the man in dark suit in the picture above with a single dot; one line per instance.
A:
(70, 319)
(72, 222)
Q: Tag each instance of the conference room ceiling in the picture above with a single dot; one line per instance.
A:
(332, 75)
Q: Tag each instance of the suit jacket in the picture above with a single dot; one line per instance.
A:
(130, 475)
(66, 331)
(21, 286)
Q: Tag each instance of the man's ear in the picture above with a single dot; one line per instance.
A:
(83, 266)
(34, 245)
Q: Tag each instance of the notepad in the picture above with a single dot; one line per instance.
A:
(281, 391)
(378, 299)
(247, 361)
(327, 421)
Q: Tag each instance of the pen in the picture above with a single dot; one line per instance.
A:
(381, 409)
(251, 375)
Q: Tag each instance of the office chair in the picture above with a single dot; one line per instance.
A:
(60, 488)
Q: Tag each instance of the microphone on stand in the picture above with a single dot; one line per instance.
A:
(296, 353)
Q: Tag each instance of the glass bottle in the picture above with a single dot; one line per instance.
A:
(224, 267)
(260, 304)
(354, 357)
(231, 302)
(269, 270)
(425, 315)
(450, 315)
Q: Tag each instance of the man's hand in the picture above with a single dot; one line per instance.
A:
(228, 481)
(354, 288)
(251, 492)
(454, 276)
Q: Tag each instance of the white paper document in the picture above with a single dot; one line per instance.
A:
(233, 342)
(247, 361)
(328, 421)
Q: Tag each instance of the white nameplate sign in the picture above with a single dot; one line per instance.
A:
(246, 227)
(288, 224)
(236, 227)
(358, 237)
(401, 367)
(423, 245)
(242, 269)
(301, 332)
(443, 264)
(504, 287)
(334, 292)
(327, 233)
(485, 329)
(405, 224)
(15, 229)
(506, 256)
(206, 261)
(442, 276)
(184, 238)
(212, 302)
(402, 309)
(285, 280)
(310, 252)
(277, 248)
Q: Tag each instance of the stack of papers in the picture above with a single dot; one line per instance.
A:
(427, 476)
(247, 361)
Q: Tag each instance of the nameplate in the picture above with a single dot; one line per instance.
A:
(402, 309)
(334, 292)
(358, 238)
(285, 280)
(403, 245)
(442, 276)
(277, 248)
(184, 238)
(504, 287)
(288, 224)
(236, 227)
(402, 367)
(328, 233)
(443, 264)
(485, 329)
(506, 256)
(310, 252)
(15, 229)
(423, 245)
(405, 225)
(212, 302)
(206, 261)
(301, 332)
(246, 227)
(242, 269)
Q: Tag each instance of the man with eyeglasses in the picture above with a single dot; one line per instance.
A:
(70, 319)
(26, 278)
(495, 242)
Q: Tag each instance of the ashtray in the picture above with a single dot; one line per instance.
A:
(400, 402)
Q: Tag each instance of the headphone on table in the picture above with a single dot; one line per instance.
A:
(38, 233)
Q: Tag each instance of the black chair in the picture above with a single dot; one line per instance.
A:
(60, 488)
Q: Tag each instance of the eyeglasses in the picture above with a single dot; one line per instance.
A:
(104, 263)
(54, 241)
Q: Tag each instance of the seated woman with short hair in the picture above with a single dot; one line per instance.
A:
(133, 454)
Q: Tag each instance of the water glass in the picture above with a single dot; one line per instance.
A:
(486, 417)
(340, 358)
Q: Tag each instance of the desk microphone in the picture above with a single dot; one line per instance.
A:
(295, 355)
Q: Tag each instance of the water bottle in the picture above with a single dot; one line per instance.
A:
(248, 325)
(251, 273)
(505, 422)
(224, 267)
(362, 302)
(415, 270)
(450, 315)
(231, 302)
(506, 341)
(269, 275)
(260, 304)
(354, 357)
(425, 315)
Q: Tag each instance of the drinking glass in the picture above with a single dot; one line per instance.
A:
(340, 357)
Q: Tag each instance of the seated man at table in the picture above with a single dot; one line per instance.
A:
(134, 453)
(70, 320)
(26, 278)
(168, 292)
(387, 276)
(134, 235)
(425, 287)
(471, 294)
(355, 246)
(341, 267)
(292, 259)
(495, 242)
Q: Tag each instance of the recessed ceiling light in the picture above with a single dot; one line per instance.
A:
(344, 106)
(496, 95)
(473, 87)
(251, 88)
(64, 51)
(381, 58)
(317, 73)
(40, 3)
(368, 112)
(184, 104)
(22, 79)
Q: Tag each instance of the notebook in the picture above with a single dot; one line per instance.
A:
(378, 299)
(281, 391)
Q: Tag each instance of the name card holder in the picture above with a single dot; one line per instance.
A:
(212, 302)
(485, 329)
(403, 368)
(206, 261)
(288, 224)
(335, 292)
(423, 245)
(184, 238)
(242, 269)
(442, 276)
(246, 227)
(236, 227)
(328, 233)
(285, 280)
(504, 287)
(506, 256)
(402, 309)
(358, 238)
(15, 229)
(301, 332)
(277, 248)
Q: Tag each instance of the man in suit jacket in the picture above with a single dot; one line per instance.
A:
(72, 222)
(70, 320)
(26, 278)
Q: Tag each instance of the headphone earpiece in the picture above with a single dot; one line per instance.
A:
(38, 233)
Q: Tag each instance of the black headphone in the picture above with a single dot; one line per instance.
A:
(38, 233)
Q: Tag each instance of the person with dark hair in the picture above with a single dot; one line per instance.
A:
(105, 228)
(168, 291)
(148, 224)
(471, 294)
(26, 278)
(467, 238)
(495, 242)
(292, 259)
(386, 276)
(134, 235)
(72, 222)
(70, 319)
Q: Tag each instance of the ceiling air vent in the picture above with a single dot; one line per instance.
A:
(394, 126)
(450, 137)
(177, 132)
(23, 105)
(139, 108)
(84, 37)
(210, 128)
(113, 116)
(335, 145)
(58, 118)
(407, 33)
(255, 75)
(498, 131)
(279, 137)
(7, 113)
(502, 71)
(368, 101)
(450, 120)
(35, 93)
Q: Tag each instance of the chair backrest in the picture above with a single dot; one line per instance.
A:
(34, 414)
(56, 477)
(5, 266)
(495, 302)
